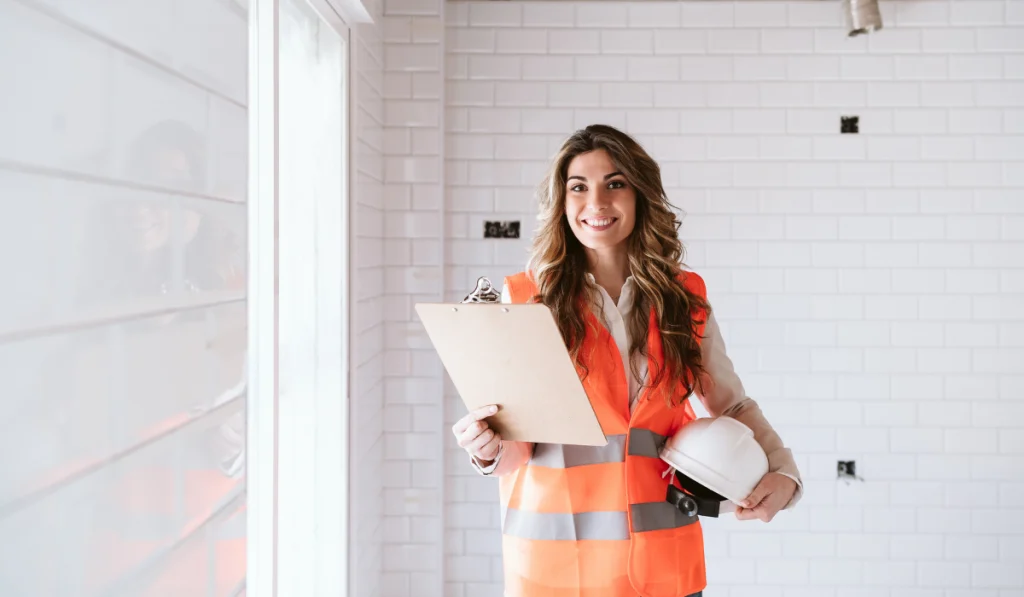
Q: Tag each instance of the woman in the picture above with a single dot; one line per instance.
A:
(592, 522)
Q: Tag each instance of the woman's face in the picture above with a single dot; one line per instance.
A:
(599, 203)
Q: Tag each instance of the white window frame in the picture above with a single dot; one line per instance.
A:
(273, 571)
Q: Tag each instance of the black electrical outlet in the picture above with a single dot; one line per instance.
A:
(506, 229)
(847, 468)
(849, 125)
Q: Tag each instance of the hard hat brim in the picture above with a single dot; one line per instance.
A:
(705, 476)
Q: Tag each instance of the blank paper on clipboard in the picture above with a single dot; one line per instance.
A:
(513, 355)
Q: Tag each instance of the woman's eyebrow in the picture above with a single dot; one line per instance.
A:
(584, 179)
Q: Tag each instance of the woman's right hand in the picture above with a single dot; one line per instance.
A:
(476, 437)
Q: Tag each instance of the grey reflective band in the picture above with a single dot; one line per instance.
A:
(644, 442)
(559, 526)
(607, 526)
(658, 516)
(567, 456)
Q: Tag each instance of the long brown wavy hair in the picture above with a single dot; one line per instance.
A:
(558, 262)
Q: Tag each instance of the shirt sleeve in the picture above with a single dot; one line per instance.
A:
(724, 395)
(489, 469)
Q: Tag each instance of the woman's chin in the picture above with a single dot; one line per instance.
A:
(602, 243)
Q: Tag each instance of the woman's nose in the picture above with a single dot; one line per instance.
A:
(598, 200)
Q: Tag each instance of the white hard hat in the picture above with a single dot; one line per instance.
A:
(718, 453)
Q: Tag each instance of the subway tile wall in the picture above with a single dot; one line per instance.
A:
(368, 355)
(870, 286)
(413, 233)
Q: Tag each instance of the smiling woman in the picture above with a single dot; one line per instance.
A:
(607, 261)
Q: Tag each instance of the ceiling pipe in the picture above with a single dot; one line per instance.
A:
(862, 16)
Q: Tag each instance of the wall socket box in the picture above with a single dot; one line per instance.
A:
(846, 469)
(504, 229)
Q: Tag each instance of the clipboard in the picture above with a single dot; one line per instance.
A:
(513, 355)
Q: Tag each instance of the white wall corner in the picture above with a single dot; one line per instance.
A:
(353, 11)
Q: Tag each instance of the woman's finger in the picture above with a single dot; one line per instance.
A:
(481, 440)
(474, 431)
(764, 511)
(760, 492)
(771, 506)
(473, 416)
(490, 450)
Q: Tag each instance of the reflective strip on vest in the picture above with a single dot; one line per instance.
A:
(644, 442)
(658, 516)
(567, 456)
(595, 526)
(566, 526)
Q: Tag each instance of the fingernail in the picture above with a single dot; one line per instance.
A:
(494, 409)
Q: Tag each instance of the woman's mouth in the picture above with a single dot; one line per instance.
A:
(599, 224)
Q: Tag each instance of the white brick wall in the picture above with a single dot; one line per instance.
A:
(869, 286)
(413, 230)
(368, 208)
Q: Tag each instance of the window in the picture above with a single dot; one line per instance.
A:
(123, 324)
(299, 250)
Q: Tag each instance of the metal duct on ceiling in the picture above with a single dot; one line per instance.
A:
(862, 16)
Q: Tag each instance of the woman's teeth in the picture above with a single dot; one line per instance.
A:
(599, 223)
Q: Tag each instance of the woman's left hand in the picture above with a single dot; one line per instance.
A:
(772, 494)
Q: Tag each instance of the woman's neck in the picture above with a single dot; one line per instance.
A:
(610, 269)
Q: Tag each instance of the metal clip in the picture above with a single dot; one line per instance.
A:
(484, 293)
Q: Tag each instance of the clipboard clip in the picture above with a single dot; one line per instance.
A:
(483, 293)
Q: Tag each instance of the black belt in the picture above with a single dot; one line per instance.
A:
(694, 499)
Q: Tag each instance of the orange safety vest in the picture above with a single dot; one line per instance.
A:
(581, 521)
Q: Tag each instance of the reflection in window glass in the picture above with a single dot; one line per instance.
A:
(122, 352)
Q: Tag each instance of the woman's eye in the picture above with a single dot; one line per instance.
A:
(576, 188)
(616, 184)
